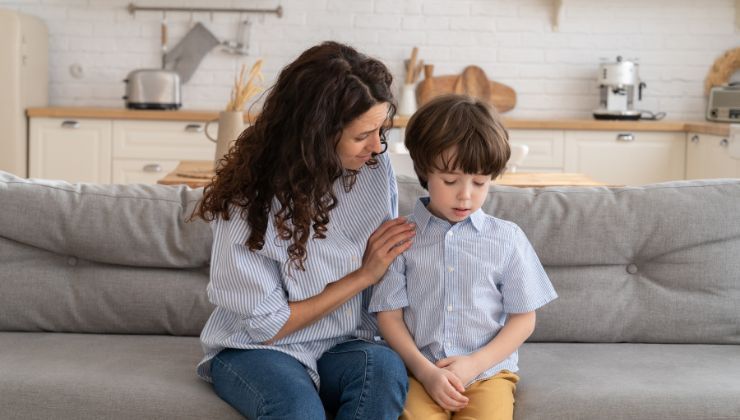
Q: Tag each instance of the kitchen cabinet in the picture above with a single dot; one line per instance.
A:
(626, 158)
(141, 171)
(545, 149)
(74, 150)
(708, 156)
(114, 151)
(144, 151)
(612, 157)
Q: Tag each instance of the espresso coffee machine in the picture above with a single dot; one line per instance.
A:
(619, 83)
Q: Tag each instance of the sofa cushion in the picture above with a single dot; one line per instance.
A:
(90, 376)
(137, 225)
(44, 291)
(656, 264)
(628, 381)
(79, 376)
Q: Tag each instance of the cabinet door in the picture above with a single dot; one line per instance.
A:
(626, 158)
(76, 150)
(141, 171)
(707, 156)
(545, 149)
(167, 140)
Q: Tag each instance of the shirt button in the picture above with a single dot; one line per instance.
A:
(447, 343)
(354, 259)
(449, 308)
(450, 233)
(450, 269)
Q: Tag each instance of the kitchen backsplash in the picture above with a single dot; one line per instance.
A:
(94, 44)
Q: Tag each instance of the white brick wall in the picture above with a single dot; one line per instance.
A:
(676, 42)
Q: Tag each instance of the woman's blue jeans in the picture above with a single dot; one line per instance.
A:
(359, 380)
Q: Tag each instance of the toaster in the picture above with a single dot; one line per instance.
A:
(152, 89)
(724, 103)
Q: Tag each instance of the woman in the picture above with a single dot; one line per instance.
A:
(301, 226)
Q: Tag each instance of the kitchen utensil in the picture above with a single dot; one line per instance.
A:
(152, 89)
(163, 37)
(473, 82)
(501, 96)
(426, 88)
(190, 51)
(239, 46)
(411, 65)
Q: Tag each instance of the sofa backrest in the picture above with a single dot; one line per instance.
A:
(101, 258)
(658, 263)
(653, 264)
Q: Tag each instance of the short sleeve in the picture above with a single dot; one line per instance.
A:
(390, 293)
(246, 283)
(524, 283)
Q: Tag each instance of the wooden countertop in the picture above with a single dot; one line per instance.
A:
(702, 127)
(198, 173)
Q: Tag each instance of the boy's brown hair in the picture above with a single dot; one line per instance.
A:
(457, 132)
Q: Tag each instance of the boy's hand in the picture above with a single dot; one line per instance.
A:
(464, 367)
(445, 389)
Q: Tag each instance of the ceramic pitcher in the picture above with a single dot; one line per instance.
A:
(230, 125)
(407, 104)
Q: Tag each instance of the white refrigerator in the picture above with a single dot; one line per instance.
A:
(24, 83)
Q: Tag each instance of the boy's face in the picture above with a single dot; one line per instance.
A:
(453, 196)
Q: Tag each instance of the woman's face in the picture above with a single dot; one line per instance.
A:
(361, 138)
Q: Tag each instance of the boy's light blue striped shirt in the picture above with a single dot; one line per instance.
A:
(458, 281)
(251, 290)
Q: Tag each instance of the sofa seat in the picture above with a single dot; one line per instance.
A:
(628, 381)
(95, 376)
(104, 376)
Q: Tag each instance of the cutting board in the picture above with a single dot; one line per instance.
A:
(473, 81)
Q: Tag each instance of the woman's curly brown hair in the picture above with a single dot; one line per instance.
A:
(289, 155)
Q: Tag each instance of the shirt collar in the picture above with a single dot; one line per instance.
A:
(478, 219)
(422, 216)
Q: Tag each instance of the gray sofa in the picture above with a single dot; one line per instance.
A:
(102, 297)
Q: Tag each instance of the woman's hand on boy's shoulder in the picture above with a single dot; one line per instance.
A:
(388, 241)
(445, 388)
(464, 367)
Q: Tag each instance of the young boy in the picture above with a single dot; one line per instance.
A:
(458, 303)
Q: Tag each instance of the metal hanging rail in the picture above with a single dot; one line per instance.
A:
(132, 9)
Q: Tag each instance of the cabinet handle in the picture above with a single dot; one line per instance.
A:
(194, 128)
(695, 139)
(626, 137)
(152, 168)
(70, 124)
(724, 143)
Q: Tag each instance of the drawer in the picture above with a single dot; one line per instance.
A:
(141, 171)
(168, 140)
(626, 157)
(546, 148)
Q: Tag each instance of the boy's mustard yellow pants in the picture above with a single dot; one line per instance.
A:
(490, 399)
